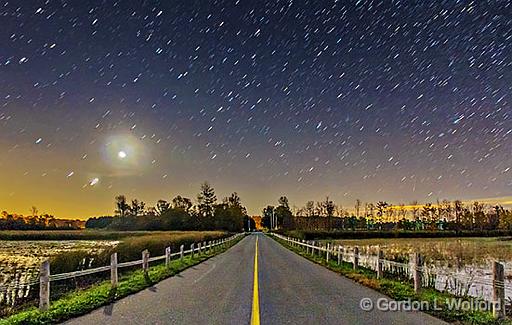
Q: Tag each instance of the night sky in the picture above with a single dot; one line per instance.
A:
(376, 100)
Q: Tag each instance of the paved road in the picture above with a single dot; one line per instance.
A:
(292, 290)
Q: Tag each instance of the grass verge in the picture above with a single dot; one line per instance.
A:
(83, 301)
(400, 291)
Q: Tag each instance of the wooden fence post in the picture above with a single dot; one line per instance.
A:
(44, 286)
(356, 257)
(328, 253)
(416, 260)
(113, 270)
(380, 268)
(340, 255)
(498, 286)
(204, 247)
(192, 250)
(167, 256)
(209, 247)
(182, 252)
(145, 261)
(199, 248)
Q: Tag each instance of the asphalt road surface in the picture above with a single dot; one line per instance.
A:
(291, 290)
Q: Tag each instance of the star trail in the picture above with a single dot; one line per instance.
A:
(370, 100)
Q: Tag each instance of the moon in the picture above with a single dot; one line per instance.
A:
(122, 154)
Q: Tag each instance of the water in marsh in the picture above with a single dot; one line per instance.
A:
(459, 265)
(20, 260)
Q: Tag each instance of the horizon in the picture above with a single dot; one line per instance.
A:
(506, 202)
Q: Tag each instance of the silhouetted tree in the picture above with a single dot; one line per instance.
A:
(162, 206)
(357, 207)
(183, 203)
(122, 206)
(99, 222)
(137, 207)
(206, 200)
(283, 201)
(283, 214)
(268, 212)
(310, 208)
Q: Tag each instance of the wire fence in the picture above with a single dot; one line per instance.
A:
(491, 286)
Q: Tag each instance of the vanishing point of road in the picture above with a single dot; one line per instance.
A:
(257, 281)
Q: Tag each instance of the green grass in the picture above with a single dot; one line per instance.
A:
(399, 291)
(81, 302)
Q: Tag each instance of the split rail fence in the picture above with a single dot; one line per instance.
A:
(415, 270)
(45, 277)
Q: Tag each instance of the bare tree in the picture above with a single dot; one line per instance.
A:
(381, 207)
(357, 207)
(414, 210)
(328, 207)
(33, 211)
(458, 209)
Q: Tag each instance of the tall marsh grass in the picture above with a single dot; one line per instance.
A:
(128, 245)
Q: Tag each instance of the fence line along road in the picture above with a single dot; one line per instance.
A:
(45, 277)
(414, 270)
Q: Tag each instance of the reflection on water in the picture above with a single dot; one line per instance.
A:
(20, 260)
(462, 266)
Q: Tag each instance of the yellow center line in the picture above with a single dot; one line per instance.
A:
(255, 318)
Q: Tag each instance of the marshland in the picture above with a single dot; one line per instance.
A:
(21, 253)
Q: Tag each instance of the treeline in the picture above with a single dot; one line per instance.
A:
(444, 215)
(12, 221)
(178, 214)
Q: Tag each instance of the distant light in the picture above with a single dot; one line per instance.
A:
(121, 154)
(94, 181)
(39, 140)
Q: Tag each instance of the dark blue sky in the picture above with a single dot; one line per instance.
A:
(377, 100)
